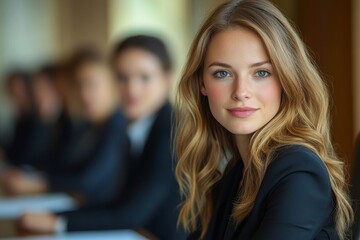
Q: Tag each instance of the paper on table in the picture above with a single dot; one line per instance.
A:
(103, 235)
(13, 207)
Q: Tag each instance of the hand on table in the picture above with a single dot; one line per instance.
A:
(37, 223)
(16, 182)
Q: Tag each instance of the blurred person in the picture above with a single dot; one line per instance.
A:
(47, 108)
(46, 95)
(150, 197)
(86, 162)
(18, 86)
(250, 92)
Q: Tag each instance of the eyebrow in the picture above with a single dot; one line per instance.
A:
(228, 66)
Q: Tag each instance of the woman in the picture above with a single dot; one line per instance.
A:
(252, 135)
(18, 86)
(89, 163)
(150, 197)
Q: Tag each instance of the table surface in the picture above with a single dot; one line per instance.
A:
(12, 208)
(95, 235)
(8, 232)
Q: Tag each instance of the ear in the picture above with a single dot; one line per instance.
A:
(203, 89)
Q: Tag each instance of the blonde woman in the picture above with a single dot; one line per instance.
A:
(255, 159)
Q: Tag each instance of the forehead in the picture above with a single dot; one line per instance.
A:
(133, 59)
(237, 44)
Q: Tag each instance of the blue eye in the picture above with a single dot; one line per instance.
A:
(262, 74)
(221, 74)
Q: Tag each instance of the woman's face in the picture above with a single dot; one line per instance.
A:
(19, 94)
(46, 96)
(242, 88)
(144, 85)
(96, 90)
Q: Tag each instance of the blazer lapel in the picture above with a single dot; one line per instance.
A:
(220, 226)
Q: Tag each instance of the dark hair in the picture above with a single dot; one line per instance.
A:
(148, 43)
(49, 71)
(84, 56)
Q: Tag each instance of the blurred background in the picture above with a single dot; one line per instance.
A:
(34, 32)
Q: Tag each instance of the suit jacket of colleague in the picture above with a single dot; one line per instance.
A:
(151, 196)
(295, 201)
(91, 163)
(30, 141)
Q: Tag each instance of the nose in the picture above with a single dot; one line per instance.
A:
(242, 89)
(133, 87)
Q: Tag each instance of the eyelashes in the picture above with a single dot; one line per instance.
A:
(260, 74)
(221, 74)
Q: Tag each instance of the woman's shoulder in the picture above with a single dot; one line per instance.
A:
(296, 160)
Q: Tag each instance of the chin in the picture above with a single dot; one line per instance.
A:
(243, 132)
(236, 130)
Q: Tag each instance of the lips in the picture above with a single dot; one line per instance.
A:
(242, 112)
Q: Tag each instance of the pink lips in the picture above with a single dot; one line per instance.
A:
(242, 112)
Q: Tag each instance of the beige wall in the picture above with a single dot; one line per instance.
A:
(82, 23)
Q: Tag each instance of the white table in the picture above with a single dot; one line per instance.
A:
(96, 235)
(14, 207)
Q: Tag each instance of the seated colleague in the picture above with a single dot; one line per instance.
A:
(18, 86)
(71, 125)
(150, 198)
(89, 164)
(35, 144)
(250, 92)
(47, 109)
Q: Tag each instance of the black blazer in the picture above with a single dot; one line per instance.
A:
(31, 139)
(91, 164)
(294, 202)
(355, 190)
(151, 194)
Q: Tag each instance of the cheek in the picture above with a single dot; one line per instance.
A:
(122, 90)
(271, 96)
(216, 93)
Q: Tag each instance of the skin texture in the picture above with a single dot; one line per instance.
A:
(143, 84)
(238, 73)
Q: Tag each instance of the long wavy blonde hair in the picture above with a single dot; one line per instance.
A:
(303, 118)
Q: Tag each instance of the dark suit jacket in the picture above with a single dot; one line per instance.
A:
(294, 202)
(355, 190)
(31, 139)
(151, 194)
(91, 163)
